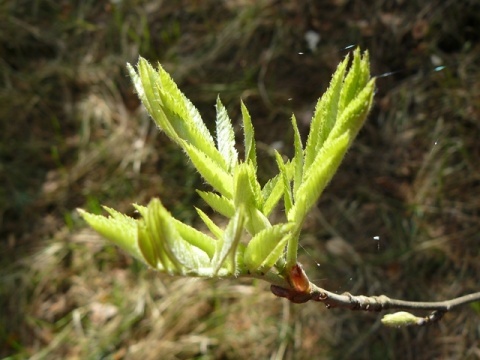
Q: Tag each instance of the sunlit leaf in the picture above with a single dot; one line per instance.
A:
(273, 190)
(231, 238)
(248, 195)
(354, 115)
(287, 190)
(220, 204)
(146, 85)
(255, 221)
(225, 136)
(266, 247)
(186, 259)
(215, 230)
(170, 245)
(118, 228)
(176, 101)
(249, 139)
(152, 253)
(246, 187)
(352, 84)
(298, 157)
(218, 178)
(196, 238)
(325, 116)
(172, 111)
(321, 172)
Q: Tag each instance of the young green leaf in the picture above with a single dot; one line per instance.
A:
(158, 230)
(176, 101)
(354, 115)
(248, 194)
(287, 190)
(142, 210)
(215, 230)
(246, 187)
(321, 172)
(189, 134)
(364, 75)
(217, 177)
(325, 116)
(298, 157)
(118, 228)
(255, 221)
(163, 234)
(146, 84)
(255, 185)
(172, 111)
(169, 245)
(225, 136)
(339, 115)
(266, 247)
(152, 253)
(273, 190)
(352, 83)
(231, 239)
(160, 225)
(249, 139)
(196, 238)
(220, 204)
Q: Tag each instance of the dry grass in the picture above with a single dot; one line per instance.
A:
(73, 134)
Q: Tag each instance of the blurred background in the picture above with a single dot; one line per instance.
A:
(400, 218)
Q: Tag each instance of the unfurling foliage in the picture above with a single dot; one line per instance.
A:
(250, 245)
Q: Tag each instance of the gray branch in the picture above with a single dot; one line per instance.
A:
(382, 302)
(374, 303)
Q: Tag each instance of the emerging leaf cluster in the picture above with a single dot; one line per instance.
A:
(250, 244)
